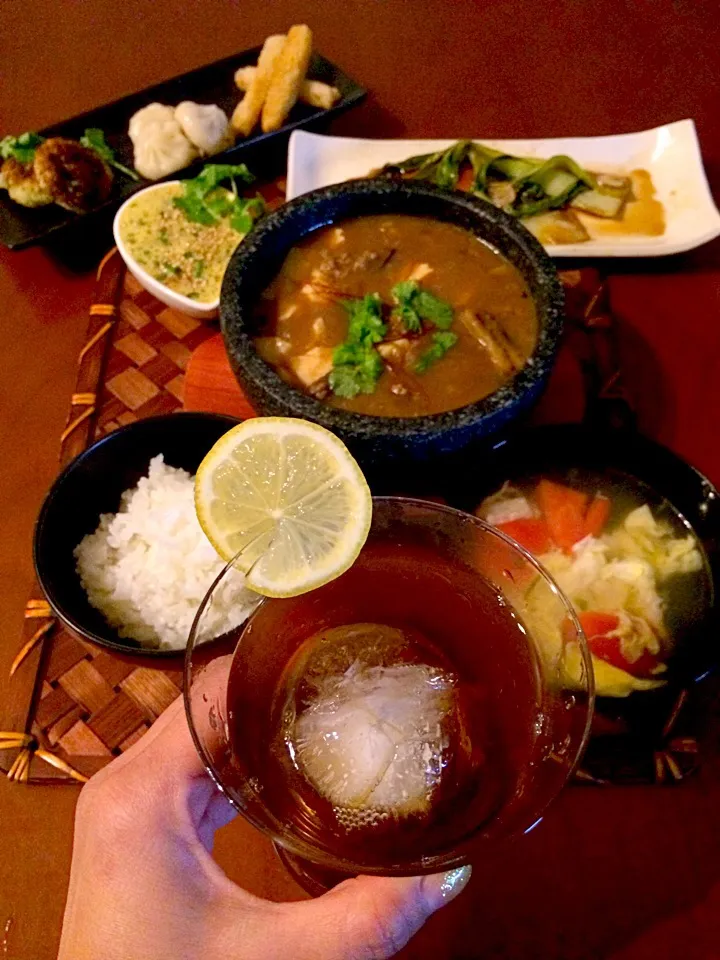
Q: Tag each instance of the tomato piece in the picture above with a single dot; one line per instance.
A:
(609, 649)
(596, 627)
(597, 516)
(597, 624)
(564, 510)
(530, 532)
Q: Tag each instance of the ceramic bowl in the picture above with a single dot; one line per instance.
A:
(92, 484)
(377, 440)
(631, 732)
(201, 311)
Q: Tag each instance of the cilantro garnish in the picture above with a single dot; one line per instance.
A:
(415, 305)
(245, 212)
(206, 200)
(356, 369)
(403, 294)
(94, 139)
(21, 148)
(357, 366)
(442, 342)
(366, 324)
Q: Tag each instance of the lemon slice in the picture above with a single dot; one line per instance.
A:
(288, 496)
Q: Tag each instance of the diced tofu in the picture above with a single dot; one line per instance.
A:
(319, 326)
(338, 236)
(288, 311)
(311, 366)
(312, 293)
(420, 271)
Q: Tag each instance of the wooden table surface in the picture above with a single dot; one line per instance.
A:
(627, 873)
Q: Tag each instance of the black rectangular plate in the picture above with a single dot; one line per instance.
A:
(22, 226)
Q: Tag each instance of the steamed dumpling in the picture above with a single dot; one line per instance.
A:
(152, 114)
(160, 146)
(205, 126)
(162, 149)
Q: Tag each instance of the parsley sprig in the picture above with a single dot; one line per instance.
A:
(207, 200)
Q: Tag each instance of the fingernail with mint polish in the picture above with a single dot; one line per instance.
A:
(444, 887)
(454, 882)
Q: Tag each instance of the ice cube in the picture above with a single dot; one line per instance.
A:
(375, 737)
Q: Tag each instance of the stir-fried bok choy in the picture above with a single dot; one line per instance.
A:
(544, 193)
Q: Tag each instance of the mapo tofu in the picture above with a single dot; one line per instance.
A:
(396, 316)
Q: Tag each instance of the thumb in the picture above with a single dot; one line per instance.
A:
(371, 918)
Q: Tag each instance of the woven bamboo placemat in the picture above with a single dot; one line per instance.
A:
(74, 705)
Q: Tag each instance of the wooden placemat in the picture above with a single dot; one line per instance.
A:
(78, 704)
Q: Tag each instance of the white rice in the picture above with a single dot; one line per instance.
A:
(148, 567)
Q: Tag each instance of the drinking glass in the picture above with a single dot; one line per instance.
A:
(424, 566)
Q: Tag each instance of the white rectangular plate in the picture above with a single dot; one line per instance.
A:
(670, 153)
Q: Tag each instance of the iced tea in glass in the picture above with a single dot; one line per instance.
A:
(432, 699)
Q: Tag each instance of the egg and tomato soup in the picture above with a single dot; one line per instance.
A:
(397, 316)
(188, 257)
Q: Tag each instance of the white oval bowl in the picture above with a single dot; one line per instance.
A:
(201, 311)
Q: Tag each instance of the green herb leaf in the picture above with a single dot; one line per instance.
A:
(356, 369)
(21, 148)
(415, 305)
(199, 268)
(357, 366)
(213, 174)
(246, 212)
(195, 209)
(94, 139)
(442, 342)
(433, 310)
(366, 323)
(404, 294)
(220, 202)
(205, 200)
